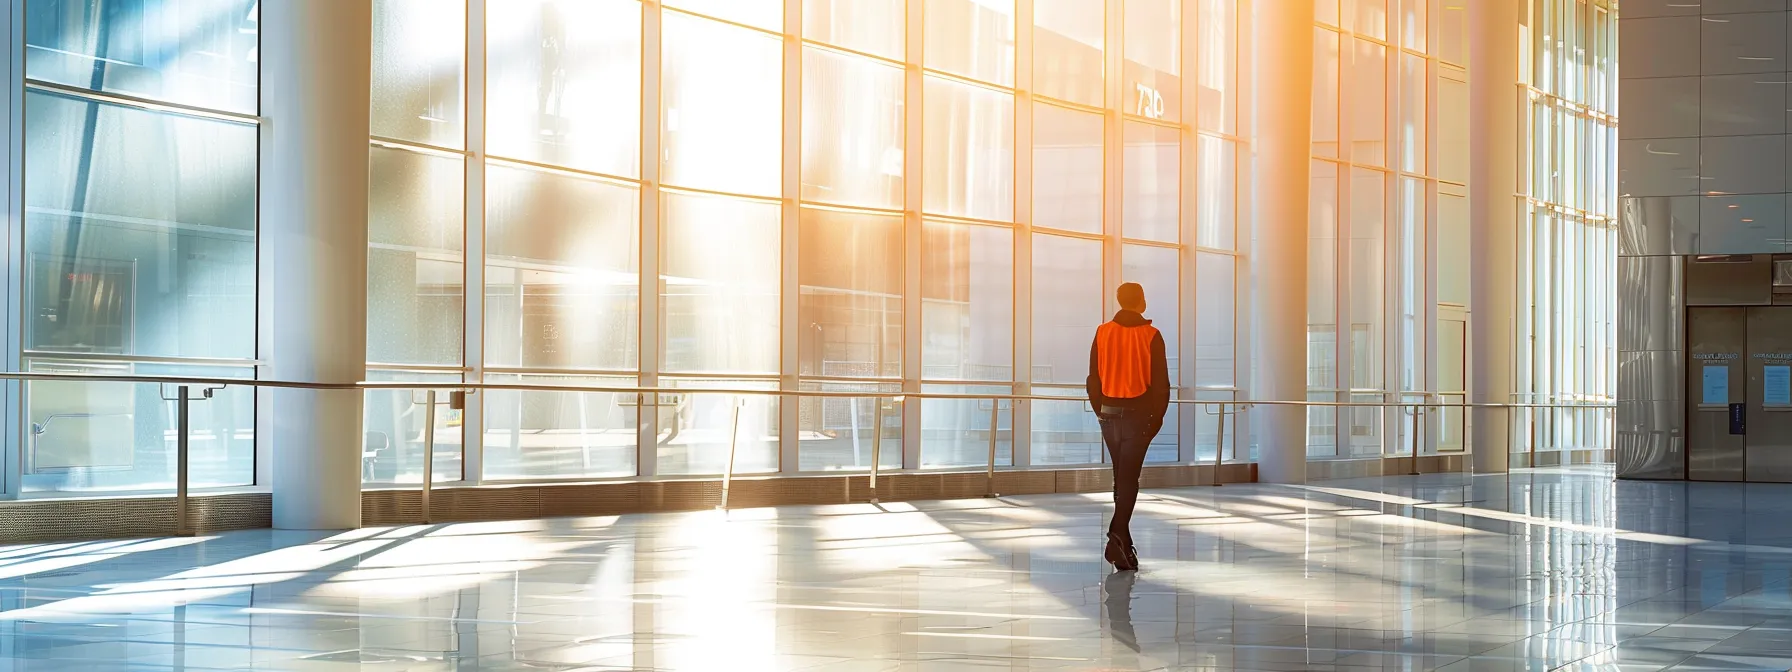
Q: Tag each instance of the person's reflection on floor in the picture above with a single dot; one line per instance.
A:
(1117, 589)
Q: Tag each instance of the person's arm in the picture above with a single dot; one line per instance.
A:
(1092, 384)
(1159, 401)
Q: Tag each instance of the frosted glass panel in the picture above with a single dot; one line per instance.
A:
(766, 14)
(722, 123)
(97, 438)
(852, 130)
(971, 38)
(415, 303)
(1152, 174)
(1067, 50)
(871, 26)
(1067, 307)
(967, 302)
(193, 52)
(565, 83)
(970, 151)
(139, 231)
(1216, 198)
(1067, 169)
(850, 310)
(556, 435)
(561, 279)
(419, 52)
(719, 282)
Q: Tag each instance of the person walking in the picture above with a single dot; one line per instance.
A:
(1129, 388)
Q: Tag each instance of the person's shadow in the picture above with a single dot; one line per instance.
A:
(1117, 599)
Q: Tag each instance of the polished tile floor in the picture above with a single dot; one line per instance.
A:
(1541, 570)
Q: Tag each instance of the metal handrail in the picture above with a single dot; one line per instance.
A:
(458, 391)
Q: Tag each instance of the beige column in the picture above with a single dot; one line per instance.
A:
(1493, 222)
(316, 63)
(1282, 35)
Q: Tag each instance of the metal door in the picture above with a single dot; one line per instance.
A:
(1769, 439)
(1716, 340)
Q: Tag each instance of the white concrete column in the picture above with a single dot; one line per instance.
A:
(1282, 166)
(316, 63)
(1493, 222)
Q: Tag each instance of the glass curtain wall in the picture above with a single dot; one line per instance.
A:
(139, 239)
(1379, 111)
(853, 199)
(1567, 248)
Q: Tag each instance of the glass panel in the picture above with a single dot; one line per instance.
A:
(1325, 93)
(1368, 104)
(566, 97)
(1067, 169)
(415, 302)
(562, 287)
(1153, 171)
(392, 432)
(720, 285)
(956, 432)
(1219, 65)
(967, 302)
(852, 130)
(850, 310)
(1067, 432)
(1215, 318)
(112, 437)
(1067, 307)
(1412, 113)
(1152, 68)
(194, 52)
(1216, 195)
(841, 434)
(1412, 279)
(1158, 270)
(695, 433)
(1415, 30)
(1367, 291)
(1322, 308)
(551, 435)
(969, 151)
(419, 49)
(872, 26)
(972, 38)
(1326, 12)
(1371, 18)
(1067, 50)
(139, 231)
(766, 14)
(722, 123)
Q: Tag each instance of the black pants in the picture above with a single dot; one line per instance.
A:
(1127, 437)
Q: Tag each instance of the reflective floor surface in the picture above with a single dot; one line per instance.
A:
(1541, 570)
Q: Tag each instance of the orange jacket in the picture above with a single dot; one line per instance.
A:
(1127, 366)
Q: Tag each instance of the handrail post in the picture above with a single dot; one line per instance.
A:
(877, 442)
(1417, 412)
(429, 451)
(733, 444)
(182, 451)
(989, 480)
(1219, 447)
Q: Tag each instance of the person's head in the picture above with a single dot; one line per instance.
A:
(1131, 297)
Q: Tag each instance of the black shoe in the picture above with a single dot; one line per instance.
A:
(1117, 554)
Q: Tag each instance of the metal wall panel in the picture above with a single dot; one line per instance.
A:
(1651, 303)
(1651, 376)
(1748, 282)
(1657, 226)
(1650, 442)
